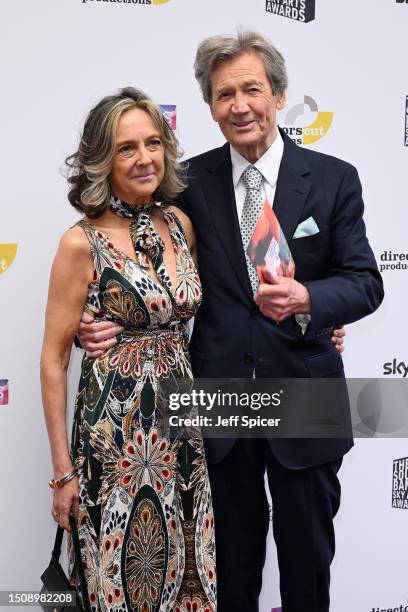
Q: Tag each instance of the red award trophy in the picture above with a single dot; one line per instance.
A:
(268, 248)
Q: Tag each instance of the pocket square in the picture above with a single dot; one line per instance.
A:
(308, 227)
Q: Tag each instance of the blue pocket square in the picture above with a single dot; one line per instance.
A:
(308, 227)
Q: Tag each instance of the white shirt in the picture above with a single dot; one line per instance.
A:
(268, 165)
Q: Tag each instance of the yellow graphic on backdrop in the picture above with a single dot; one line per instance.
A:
(160, 1)
(7, 254)
(316, 130)
(307, 134)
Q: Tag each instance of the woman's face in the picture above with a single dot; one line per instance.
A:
(138, 163)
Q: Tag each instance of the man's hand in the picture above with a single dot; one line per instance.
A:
(338, 339)
(280, 297)
(97, 336)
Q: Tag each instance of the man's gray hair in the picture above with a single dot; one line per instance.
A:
(216, 49)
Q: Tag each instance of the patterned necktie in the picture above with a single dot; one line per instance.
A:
(252, 179)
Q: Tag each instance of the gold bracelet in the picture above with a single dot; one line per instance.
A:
(59, 482)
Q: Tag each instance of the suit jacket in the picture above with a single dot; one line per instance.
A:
(231, 337)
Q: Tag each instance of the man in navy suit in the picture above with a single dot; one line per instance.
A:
(281, 329)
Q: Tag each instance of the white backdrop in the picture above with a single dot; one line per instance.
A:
(58, 59)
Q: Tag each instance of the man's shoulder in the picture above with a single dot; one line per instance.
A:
(208, 158)
(318, 158)
(319, 162)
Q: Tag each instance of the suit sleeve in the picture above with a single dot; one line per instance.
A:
(182, 202)
(354, 287)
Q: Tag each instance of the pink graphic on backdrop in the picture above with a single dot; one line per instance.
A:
(4, 392)
(276, 610)
(170, 114)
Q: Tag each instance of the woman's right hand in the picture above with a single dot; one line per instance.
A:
(64, 499)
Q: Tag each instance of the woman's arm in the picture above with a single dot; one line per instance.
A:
(68, 288)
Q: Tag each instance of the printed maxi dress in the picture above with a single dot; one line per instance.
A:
(146, 523)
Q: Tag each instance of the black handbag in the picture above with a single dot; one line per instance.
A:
(54, 578)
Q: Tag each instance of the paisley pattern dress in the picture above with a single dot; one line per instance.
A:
(146, 523)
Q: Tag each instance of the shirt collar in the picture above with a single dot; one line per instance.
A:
(268, 164)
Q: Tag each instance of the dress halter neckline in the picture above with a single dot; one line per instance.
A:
(147, 243)
(129, 211)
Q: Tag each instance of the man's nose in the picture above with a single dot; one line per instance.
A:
(240, 103)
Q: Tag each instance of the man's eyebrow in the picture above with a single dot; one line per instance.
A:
(252, 82)
(222, 88)
(246, 83)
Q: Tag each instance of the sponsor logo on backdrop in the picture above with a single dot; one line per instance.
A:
(395, 368)
(390, 260)
(400, 483)
(401, 608)
(312, 132)
(4, 392)
(170, 114)
(299, 10)
(406, 122)
(146, 2)
(7, 255)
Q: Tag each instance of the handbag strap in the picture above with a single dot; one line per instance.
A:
(78, 564)
(56, 551)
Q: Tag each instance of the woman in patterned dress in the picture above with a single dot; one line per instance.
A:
(141, 493)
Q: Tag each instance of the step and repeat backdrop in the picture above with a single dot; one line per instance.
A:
(347, 96)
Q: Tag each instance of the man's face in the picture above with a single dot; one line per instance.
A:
(244, 106)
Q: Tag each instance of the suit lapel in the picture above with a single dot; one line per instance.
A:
(292, 188)
(220, 198)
